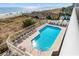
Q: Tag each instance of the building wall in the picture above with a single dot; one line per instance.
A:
(70, 45)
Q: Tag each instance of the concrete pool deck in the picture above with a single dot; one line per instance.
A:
(26, 45)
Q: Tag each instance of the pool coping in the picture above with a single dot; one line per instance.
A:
(57, 43)
(55, 46)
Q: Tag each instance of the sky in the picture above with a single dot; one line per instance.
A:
(36, 6)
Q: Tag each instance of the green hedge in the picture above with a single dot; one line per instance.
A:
(28, 22)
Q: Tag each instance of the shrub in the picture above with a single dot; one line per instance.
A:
(48, 17)
(3, 48)
(28, 22)
(36, 17)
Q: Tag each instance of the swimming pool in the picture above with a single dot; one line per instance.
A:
(46, 38)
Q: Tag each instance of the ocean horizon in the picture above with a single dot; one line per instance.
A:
(4, 10)
(28, 8)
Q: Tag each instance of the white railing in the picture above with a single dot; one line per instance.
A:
(28, 29)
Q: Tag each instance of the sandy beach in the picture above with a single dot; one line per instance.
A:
(9, 15)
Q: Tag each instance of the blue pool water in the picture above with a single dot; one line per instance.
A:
(46, 38)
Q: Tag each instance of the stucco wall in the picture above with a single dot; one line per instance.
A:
(70, 45)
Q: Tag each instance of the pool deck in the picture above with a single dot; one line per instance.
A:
(26, 45)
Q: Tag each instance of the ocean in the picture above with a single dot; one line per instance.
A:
(12, 9)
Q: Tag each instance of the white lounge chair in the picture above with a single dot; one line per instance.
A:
(64, 23)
